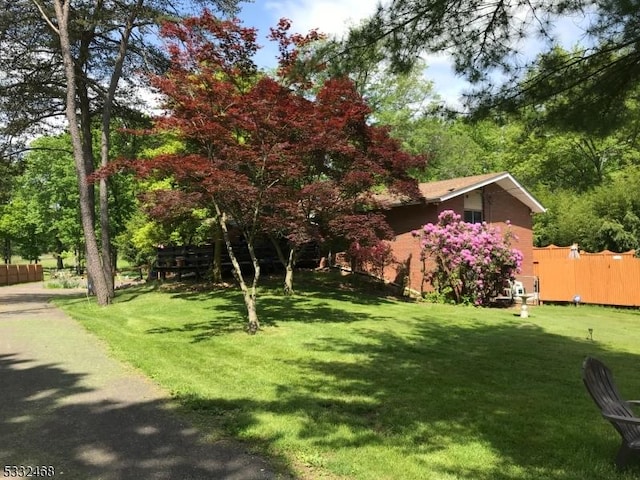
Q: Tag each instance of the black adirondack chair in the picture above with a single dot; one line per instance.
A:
(599, 382)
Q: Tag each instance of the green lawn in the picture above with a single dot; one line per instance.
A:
(342, 384)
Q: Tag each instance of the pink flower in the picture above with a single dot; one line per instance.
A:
(479, 256)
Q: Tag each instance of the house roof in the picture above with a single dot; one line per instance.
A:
(443, 190)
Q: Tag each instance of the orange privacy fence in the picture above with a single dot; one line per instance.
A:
(11, 274)
(604, 278)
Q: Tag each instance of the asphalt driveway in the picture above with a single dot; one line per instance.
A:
(68, 406)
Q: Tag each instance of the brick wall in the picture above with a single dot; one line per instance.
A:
(404, 220)
(499, 207)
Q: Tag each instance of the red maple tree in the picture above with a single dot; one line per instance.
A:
(268, 154)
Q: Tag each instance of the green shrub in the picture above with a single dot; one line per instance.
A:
(63, 279)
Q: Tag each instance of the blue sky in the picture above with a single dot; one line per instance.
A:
(331, 17)
(334, 17)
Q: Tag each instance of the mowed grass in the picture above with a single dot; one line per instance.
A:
(343, 384)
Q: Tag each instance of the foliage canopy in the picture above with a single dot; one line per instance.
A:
(266, 155)
(485, 39)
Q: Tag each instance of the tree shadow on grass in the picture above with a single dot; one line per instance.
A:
(48, 417)
(229, 312)
(443, 391)
(512, 386)
(356, 289)
(327, 285)
(130, 293)
(228, 316)
(201, 331)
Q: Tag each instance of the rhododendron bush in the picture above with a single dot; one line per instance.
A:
(472, 262)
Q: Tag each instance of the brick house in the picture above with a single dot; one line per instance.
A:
(494, 197)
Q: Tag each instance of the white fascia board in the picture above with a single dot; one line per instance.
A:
(504, 180)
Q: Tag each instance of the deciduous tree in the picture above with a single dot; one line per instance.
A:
(48, 187)
(265, 154)
(65, 59)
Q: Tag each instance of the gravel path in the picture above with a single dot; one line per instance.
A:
(68, 408)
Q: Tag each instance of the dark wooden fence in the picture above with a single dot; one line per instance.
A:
(12, 274)
(199, 259)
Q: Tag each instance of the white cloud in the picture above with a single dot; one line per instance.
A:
(332, 17)
(446, 83)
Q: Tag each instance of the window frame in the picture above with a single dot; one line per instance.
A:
(476, 216)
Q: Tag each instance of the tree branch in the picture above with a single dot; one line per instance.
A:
(46, 17)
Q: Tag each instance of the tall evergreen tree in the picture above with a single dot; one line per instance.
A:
(487, 37)
(65, 59)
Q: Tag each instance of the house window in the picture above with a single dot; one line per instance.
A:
(472, 216)
(473, 207)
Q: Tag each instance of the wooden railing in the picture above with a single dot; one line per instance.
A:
(199, 259)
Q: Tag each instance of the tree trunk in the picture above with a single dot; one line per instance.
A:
(7, 251)
(59, 261)
(105, 235)
(288, 263)
(59, 250)
(108, 260)
(114, 260)
(97, 280)
(253, 324)
(217, 253)
(78, 261)
(248, 293)
(94, 268)
(353, 264)
(288, 275)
